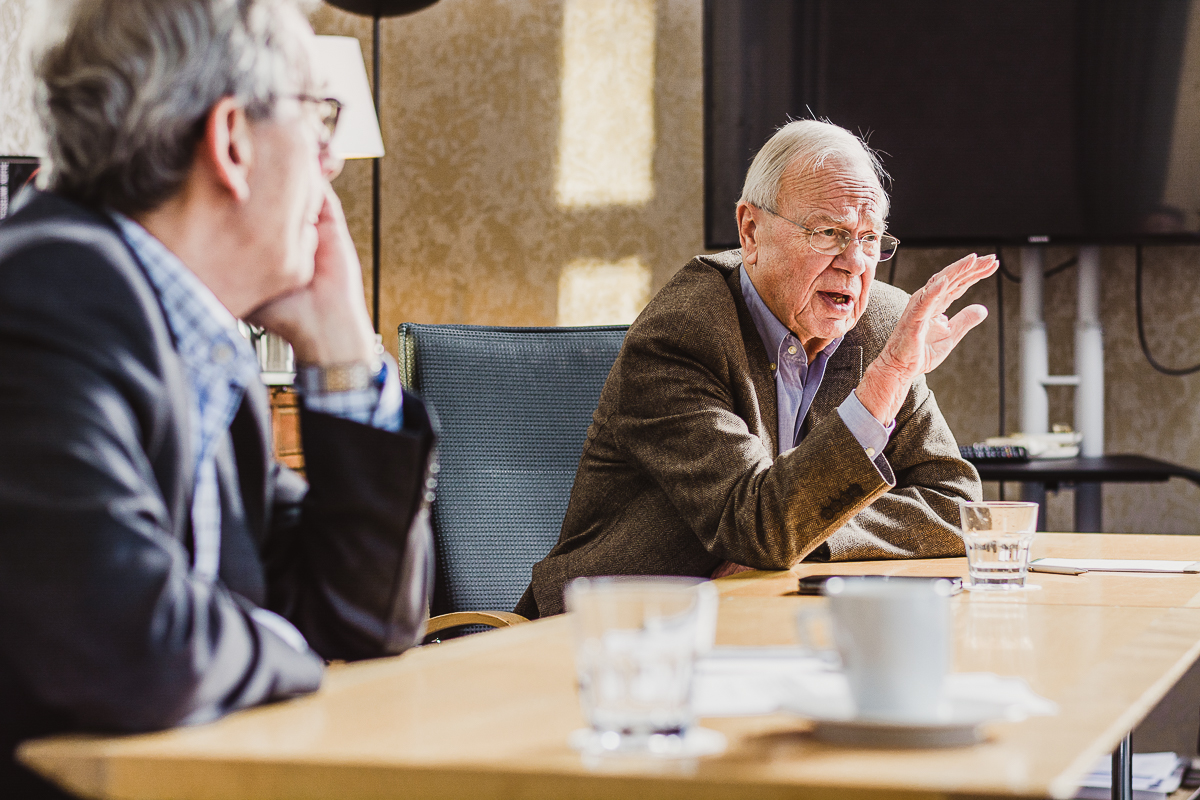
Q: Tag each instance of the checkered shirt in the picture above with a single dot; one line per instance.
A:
(219, 365)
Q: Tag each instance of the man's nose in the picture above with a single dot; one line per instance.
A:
(331, 165)
(853, 259)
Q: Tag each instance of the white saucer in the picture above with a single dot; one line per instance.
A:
(962, 726)
(970, 700)
(880, 733)
(696, 742)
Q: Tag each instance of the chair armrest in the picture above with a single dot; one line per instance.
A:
(493, 619)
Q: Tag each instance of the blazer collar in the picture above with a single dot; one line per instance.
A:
(760, 364)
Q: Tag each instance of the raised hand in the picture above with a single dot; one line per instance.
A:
(924, 336)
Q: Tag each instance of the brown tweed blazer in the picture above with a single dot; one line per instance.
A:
(681, 469)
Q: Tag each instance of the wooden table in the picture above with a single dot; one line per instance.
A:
(488, 716)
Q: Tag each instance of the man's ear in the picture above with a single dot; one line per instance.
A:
(748, 233)
(226, 147)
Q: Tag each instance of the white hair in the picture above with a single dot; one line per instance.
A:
(124, 87)
(808, 144)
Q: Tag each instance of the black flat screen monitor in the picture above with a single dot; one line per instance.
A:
(1000, 121)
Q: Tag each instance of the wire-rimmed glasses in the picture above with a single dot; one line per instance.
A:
(328, 111)
(831, 241)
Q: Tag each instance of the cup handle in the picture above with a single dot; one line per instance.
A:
(806, 621)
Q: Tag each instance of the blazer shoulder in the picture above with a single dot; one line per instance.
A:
(697, 298)
(66, 272)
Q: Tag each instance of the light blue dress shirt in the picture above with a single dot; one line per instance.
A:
(797, 381)
(219, 365)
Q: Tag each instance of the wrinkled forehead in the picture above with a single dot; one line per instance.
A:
(838, 192)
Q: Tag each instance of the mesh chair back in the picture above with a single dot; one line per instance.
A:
(514, 406)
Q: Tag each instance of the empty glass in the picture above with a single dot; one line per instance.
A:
(997, 535)
(636, 643)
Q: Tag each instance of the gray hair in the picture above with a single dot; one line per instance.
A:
(125, 86)
(808, 143)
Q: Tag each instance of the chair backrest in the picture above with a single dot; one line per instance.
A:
(514, 406)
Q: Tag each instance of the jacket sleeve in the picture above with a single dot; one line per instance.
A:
(918, 517)
(101, 621)
(350, 561)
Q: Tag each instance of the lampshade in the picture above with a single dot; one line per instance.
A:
(340, 60)
(381, 8)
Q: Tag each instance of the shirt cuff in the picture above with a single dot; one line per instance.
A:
(866, 429)
(379, 405)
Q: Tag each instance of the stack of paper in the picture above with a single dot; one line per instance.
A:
(1155, 775)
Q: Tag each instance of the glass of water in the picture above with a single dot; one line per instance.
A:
(636, 644)
(997, 536)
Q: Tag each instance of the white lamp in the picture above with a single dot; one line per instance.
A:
(340, 60)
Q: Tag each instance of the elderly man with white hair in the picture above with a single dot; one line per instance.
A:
(157, 566)
(770, 405)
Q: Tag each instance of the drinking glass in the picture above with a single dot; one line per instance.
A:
(636, 644)
(997, 535)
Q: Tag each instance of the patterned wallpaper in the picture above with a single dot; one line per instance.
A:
(18, 128)
(473, 228)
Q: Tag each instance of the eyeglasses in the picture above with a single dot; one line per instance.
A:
(328, 110)
(830, 241)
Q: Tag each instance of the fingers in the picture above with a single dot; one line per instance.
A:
(965, 279)
(965, 320)
(953, 281)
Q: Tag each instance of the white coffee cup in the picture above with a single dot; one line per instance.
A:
(893, 640)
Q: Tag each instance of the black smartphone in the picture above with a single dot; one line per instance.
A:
(814, 584)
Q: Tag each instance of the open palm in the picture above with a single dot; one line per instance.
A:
(924, 336)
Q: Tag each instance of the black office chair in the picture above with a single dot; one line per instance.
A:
(514, 406)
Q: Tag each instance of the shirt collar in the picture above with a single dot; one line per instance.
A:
(774, 334)
(166, 268)
(206, 333)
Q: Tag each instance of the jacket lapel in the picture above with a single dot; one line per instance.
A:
(760, 365)
(252, 449)
(842, 374)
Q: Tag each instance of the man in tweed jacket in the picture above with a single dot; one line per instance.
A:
(770, 405)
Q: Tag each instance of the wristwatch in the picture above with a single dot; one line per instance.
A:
(349, 376)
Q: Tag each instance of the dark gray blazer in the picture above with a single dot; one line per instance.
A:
(102, 625)
(681, 469)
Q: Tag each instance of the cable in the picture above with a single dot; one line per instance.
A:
(1000, 349)
(1141, 327)
(1000, 357)
(1050, 273)
(1070, 262)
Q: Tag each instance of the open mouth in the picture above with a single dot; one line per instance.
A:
(836, 298)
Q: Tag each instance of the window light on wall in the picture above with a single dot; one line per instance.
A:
(597, 292)
(606, 139)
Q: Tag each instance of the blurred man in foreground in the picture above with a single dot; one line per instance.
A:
(157, 566)
(770, 405)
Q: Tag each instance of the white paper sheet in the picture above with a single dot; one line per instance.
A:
(1119, 564)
